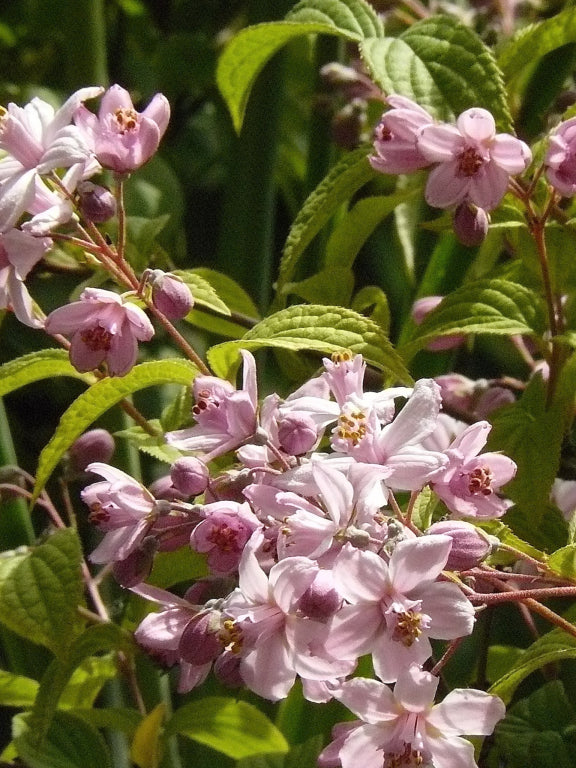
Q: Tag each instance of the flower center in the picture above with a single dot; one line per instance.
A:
(409, 758)
(352, 426)
(470, 162)
(204, 400)
(480, 481)
(231, 636)
(341, 357)
(408, 629)
(383, 133)
(126, 120)
(98, 515)
(223, 537)
(97, 339)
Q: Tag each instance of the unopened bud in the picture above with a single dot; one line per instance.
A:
(470, 224)
(137, 566)
(297, 434)
(162, 488)
(170, 294)
(321, 600)
(492, 399)
(227, 669)
(189, 476)
(470, 545)
(94, 445)
(96, 203)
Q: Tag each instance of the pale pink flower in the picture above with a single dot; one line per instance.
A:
(226, 417)
(563, 494)
(396, 607)
(223, 533)
(122, 138)
(104, 328)
(395, 140)
(470, 483)
(19, 253)
(38, 139)
(475, 162)
(560, 161)
(405, 728)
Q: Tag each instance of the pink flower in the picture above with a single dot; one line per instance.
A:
(396, 135)
(104, 328)
(469, 484)
(395, 607)
(223, 533)
(404, 728)
(560, 159)
(226, 416)
(19, 252)
(122, 138)
(38, 139)
(475, 163)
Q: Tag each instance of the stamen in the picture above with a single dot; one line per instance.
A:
(126, 119)
(470, 162)
(97, 339)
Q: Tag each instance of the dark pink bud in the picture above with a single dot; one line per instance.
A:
(491, 399)
(137, 566)
(321, 600)
(94, 445)
(227, 669)
(170, 295)
(470, 545)
(297, 434)
(470, 224)
(162, 488)
(95, 202)
(189, 476)
(200, 641)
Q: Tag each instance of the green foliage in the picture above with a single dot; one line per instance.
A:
(36, 366)
(235, 728)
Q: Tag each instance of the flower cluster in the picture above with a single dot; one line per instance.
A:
(312, 564)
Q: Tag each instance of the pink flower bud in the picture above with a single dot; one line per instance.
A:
(94, 445)
(162, 488)
(137, 566)
(470, 224)
(297, 434)
(321, 600)
(491, 399)
(189, 476)
(170, 295)
(227, 669)
(95, 202)
(470, 545)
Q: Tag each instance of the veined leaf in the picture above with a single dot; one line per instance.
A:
(202, 291)
(248, 52)
(316, 328)
(40, 594)
(233, 727)
(345, 178)
(43, 364)
(443, 66)
(98, 399)
(145, 751)
(16, 690)
(483, 306)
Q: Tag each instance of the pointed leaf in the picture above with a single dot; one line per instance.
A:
(43, 364)
(16, 690)
(354, 17)
(145, 751)
(40, 595)
(202, 291)
(315, 328)
(443, 66)
(233, 727)
(100, 398)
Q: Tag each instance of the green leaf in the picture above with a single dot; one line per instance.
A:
(538, 732)
(373, 302)
(98, 399)
(153, 445)
(442, 65)
(484, 306)
(115, 718)
(87, 681)
(315, 328)
(39, 596)
(333, 286)
(16, 690)
(552, 647)
(70, 743)
(357, 225)
(423, 509)
(43, 364)
(563, 562)
(535, 41)
(248, 52)
(233, 727)
(174, 567)
(146, 748)
(344, 179)
(203, 293)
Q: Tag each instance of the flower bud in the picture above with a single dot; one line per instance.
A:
(162, 488)
(200, 641)
(137, 566)
(297, 434)
(491, 399)
(321, 600)
(170, 294)
(189, 476)
(94, 445)
(227, 669)
(470, 545)
(470, 224)
(96, 203)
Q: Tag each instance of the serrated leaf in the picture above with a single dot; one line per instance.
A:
(71, 743)
(87, 681)
(443, 66)
(16, 690)
(202, 291)
(100, 398)
(40, 595)
(563, 562)
(334, 286)
(35, 366)
(484, 306)
(153, 445)
(373, 302)
(344, 179)
(423, 508)
(316, 328)
(145, 750)
(176, 566)
(555, 646)
(233, 727)
(356, 17)
(536, 41)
